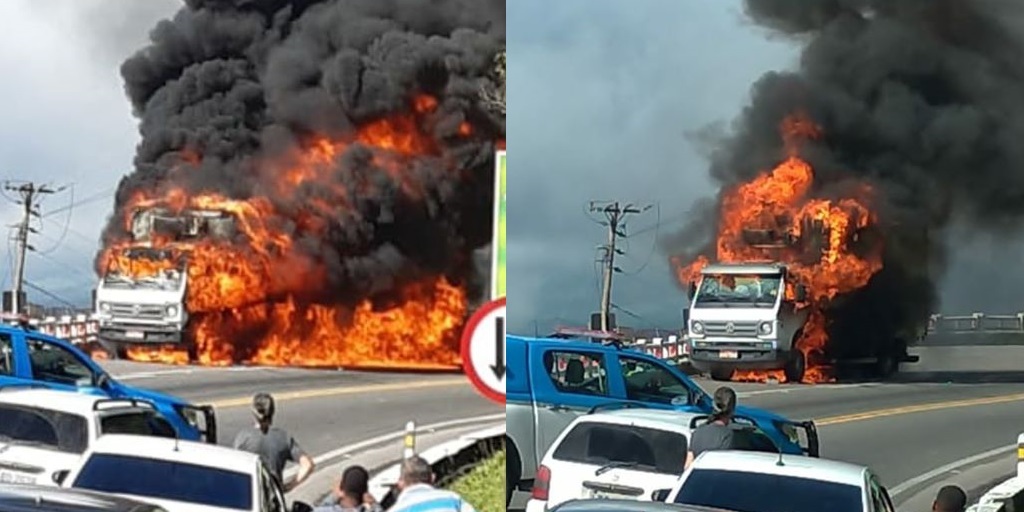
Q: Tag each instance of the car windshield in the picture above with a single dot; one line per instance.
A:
(747, 290)
(767, 493)
(140, 423)
(43, 428)
(623, 446)
(166, 480)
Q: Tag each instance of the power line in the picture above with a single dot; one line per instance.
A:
(50, 294)
(67, 224)
(103, 194)
(654, 244)
(29, 196)
(615, 214)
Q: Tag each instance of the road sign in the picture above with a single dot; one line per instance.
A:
(498, 244)
(483, 350)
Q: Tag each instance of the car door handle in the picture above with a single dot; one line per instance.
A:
(558, 408)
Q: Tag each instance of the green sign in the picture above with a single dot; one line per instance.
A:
(498, 269)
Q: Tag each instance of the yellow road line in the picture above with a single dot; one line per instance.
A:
(910, 409)
(343, 390)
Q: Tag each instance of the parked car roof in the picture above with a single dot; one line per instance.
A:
(628, 506)
(31, 498)
(792, 465)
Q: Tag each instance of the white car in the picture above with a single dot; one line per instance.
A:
(180, 476)
(44, 432)
(763, 482)
(627, 453)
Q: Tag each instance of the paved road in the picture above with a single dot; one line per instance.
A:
(901, 429)
(323, 409)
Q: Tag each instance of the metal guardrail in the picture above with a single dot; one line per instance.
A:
(976, 323)
(1009, 495)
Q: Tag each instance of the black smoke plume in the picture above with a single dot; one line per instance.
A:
(227, 85)
(922, 99)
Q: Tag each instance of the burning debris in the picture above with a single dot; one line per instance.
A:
(348, 144)
(904, 115)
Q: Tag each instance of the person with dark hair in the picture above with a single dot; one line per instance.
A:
(950, 499)
(418, 494)
(275, 446)
(352, 493)
(716, 434)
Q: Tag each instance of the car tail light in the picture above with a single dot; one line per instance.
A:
(541, 484)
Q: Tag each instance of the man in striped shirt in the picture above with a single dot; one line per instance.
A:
(418, 494)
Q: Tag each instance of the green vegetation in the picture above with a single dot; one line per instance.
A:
(484, 486)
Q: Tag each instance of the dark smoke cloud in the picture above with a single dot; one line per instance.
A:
(239, 82)
(920, 98)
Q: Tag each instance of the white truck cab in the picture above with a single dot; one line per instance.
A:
(740, 319)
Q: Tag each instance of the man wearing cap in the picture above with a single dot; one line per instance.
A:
(715, 434)
(950, 499)
(274, 445)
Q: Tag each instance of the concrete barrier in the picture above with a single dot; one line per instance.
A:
(449, 460)
(1009, 495)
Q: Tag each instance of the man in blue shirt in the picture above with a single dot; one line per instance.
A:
(418, 494)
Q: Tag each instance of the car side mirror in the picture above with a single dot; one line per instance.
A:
(60, 476)
(299, 506)
(103, 380)
(695, 396)
(801, 293)
(660, 495)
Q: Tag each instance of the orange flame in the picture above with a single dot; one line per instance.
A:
(240, 295)
(810, 235)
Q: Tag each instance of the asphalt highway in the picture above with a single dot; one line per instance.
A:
(900, 429)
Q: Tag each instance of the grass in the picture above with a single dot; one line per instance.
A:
(484, 486)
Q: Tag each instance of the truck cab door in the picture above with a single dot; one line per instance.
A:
(567, 383)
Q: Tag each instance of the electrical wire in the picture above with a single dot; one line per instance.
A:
(49, 294)
(103, 194)
(67, 224)
(654, 244)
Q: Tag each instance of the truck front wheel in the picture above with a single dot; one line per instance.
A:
(796, 366)
(721, 374)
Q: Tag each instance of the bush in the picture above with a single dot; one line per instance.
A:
(484, 485)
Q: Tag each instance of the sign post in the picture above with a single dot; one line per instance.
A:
(498, 245)
(483, 350)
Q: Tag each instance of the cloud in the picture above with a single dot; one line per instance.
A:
(66, 121)
(605, 95)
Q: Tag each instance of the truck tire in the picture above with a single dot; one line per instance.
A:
(513, 470)
(796, 366)
(721, 374)
(886, 366)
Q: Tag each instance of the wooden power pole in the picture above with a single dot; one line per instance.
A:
(29, 195)
(615, 214)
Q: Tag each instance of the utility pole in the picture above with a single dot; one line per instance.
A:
(29, 194)
(615, 214)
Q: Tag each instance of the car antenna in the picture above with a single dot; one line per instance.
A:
(779, 462)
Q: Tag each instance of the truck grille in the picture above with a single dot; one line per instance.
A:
(146, 312)
(739, 329)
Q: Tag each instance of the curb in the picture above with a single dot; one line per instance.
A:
(449, 460)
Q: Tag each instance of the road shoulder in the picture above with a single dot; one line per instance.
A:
(975, 479)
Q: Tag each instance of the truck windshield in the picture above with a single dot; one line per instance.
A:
(145, 268)
(747, 290)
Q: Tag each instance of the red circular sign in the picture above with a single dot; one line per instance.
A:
(466, 352)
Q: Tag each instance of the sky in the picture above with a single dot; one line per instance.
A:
(605, 97)
(66, 122)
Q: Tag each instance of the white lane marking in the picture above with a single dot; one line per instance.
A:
(790, 389)
(153, 374)
(913, 482)
(351, 449)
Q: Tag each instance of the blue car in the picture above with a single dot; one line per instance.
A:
(551, 381)
(29, 358)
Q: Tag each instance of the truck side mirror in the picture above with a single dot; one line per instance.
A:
(691, 290)
(686, 318)
(801, 293)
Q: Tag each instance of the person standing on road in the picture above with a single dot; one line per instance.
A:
(275, 446)
(352, 493)
(418, 494)
(716, 433)
(950, 499)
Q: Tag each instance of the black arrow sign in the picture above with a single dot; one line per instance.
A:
(499, 348)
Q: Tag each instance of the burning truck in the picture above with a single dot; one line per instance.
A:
(141, 296)
(788, 268)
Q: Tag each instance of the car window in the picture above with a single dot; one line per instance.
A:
(56, 364)
(603, 443)
(44, 428)
(648, 382)
(166, 480)
(751, 439)
(767, 493)
(578, 373)
(6, 355)
(141, 423)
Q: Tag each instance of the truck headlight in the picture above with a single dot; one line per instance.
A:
(697, 328)
(104, 307)
(765, 328)
(172, 311)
